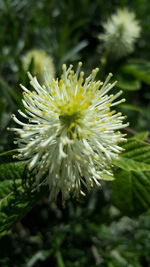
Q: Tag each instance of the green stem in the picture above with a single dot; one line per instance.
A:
(59, 259)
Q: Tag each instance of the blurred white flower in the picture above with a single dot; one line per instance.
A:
(121, 31)
(43, 67)
(71, 134)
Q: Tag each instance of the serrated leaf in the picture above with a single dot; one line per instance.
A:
(16, 204)
(12, 170)
(17, 195)
(6, 187)
(142, 136)
(131, 188)
(131, 165)
(131, 192)
(137, 150)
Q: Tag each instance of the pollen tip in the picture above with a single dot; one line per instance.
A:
(64, 67)
(80, 63)
(29, 75)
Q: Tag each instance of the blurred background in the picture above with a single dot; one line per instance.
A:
(43, 35)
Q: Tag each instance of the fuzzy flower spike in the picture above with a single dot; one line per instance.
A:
(42, 61)
(71, 134)
(121, 31)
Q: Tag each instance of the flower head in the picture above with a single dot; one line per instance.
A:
(71, 134)
(121, 31)
(43, 67)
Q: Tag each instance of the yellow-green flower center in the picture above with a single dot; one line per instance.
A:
(70, 119)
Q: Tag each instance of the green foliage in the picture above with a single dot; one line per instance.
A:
(132, 176)
(128, 164)
(59, 236)
(139, 68)
(142, 136)
(128, 107)
(127, 82)
(131, 188)
(17, 196)
(15, 202)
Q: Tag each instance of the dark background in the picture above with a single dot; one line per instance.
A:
(89, 232)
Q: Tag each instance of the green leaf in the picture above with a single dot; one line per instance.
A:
(17, 195)
(6, 187)
(137, 150)
(142, 136)
(139, 68)
(131, 188)
(131, 165)
(11, 96)
(74, 51)
(127, 82)
(12, 170)
(131, 107)
(107, 177)
(131, 192)
(16, 202)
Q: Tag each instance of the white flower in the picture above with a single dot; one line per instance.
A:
(120, 33)
(71, 134)
(43, 67)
